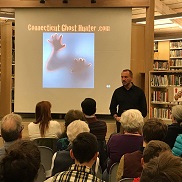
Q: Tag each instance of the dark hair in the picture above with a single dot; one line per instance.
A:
(71, 116)
(153, 149)
(89, 106)
(21, 162)
(165, 168)
(154, 129)
(43, 116)
(130, 72)
(84, 147)
(11, 127)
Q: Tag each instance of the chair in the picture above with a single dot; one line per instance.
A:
(97, 169)
(46, 154)
(127, 180)
(41, 177)
(48, 142)
(113, 172)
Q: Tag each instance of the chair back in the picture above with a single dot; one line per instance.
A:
(41, 177)
(46, 154)
(113, 172)
(48, 142)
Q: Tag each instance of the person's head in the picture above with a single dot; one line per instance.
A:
(154, 129)
(153, 149)
(75, 128)
(126, 77)
(84, 148)
(177, 114)
(132, 121)
(165, 168)
(73, 115)
(43, 115)
(11, 127)
(89, 106)
(21, 162)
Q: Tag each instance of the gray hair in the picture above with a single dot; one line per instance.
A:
(132, 121)
(75, 128)
(11, 126)
(177, 113)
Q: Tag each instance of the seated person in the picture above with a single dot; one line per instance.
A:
(20, 163)
(97, 127)
(44, 126)
(177, 149)
(165, 168)
(132, 140)
(176, 127)
(84, 152)
(11, 130)
(153, 129)
(70, 116)
(61, 159)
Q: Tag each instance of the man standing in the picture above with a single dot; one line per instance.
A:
(127, 97)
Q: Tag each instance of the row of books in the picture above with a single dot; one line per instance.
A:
(165, 80)
(176, 44)
(160, 65)
(159, 96)
(175, 62)
(175, 53)
(163, 113)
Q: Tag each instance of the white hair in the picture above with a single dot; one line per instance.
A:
(132, 121)
(75, 128)
(177, 113)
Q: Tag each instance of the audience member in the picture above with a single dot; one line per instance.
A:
(120, 144)
(70, 116)
(153, 149)
(177, 149)
(61, 159)
(97, 127)
(20, 163)
(11, 130)
(153, 129)
(84, 152)
(165, 168)
(176, 127)
(43, 126)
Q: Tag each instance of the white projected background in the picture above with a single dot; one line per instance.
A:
(65, 55)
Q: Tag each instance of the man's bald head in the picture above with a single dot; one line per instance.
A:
(11, 127)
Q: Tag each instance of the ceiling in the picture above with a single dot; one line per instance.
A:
(167, 21)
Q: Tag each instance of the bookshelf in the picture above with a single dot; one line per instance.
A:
(175, 61)
(165, 91)
(160, 65)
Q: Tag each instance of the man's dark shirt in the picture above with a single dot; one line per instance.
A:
(124, 99)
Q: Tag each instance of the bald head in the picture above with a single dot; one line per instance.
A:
(11, 127)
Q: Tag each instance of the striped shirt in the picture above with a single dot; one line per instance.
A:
(76, 173)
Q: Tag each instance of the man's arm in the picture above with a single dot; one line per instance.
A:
(113, 107)
(143, 105)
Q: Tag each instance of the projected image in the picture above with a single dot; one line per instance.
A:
(68, 60)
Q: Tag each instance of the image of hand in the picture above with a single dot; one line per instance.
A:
(68, 60)
(79, 65)
(56, 42)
